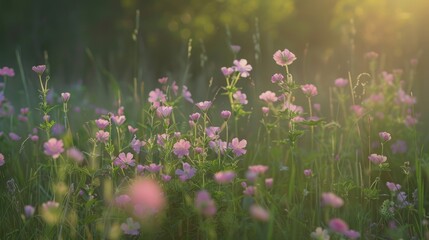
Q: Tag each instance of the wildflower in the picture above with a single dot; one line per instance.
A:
(249, 190)
(164, 111)
(377, 159)
(225, 115)
(242, 67)
(154, 167)
(120, 111)
(224, 177)
(165, 178)
(404, 98)
(102, 136)
(40, 69)
(259, 213)
(227, 71)
(53, 147)
(163, 80)
(277, 78)
(357, 109)
(156, 97)
(136, 144)
(187, 94)
(174, 88)
(352, 234)
(235, 48)
(240, 97)
(65, 96)
(269, 182)
(119, 119)
(14, 137)
(320, 234)
(204, 106)
(205, 204)
(75, 154)
(388, 78)
(238, 146)
(341, 82)
(399, 146)
(402, 200)
(265, 110)
(58, 129)
(218, 146)
(147, 197)
(213, 132)
(181, 148)
(130, 227)
(338, 225)
(161, 139)
(330, 199)
(124, 161)
(195, 116)
(122, 200)
(284, 57)
(316, 107)
(29, 211)
(6, 71)
(2, 161)
(371, 55)
(385, 136)
(293, 108)
(140, 168)
(259, 169)
(132, 130)
(309, 90)
(308, 172)
(393, 187)
(101, 123)
(187, 173)
(410, 121)
(268, 97)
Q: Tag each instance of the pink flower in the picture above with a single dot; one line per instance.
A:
(164, 111)
(204, 106)
(269, 182)
(238, 146)
(293, 108)
(124, 161)
(213, 132)
(341, 82)
(14, 137)
(225, 115)
(6, 71)
(157, 97)
(308, 172)
(265, 110)
(75, 154)
(338, 225)
(147, 197)
(174, 88)
(384, 136)
(259, 169)
(377, 159)
(277, 78)
(240, 97)
(40, 69)
(163, 80)
(187, 173)
(195, 116)
(121, 110)
(187, 94)
(218, 146)
(132, 130)
(153, 168)
(181, 148)
(50, 205)
(330, 199)
(393, 187)
(259, 213)
(137, 144)
(101, 123)
(371, 55)
(122, 200)
(118, 120)
(205, 204)
(235, 48)
(65, 96)
(130, 227)
(2, 161)
(399, 146)
(227, 71)
(224, 177)
(249, 190)
(53, 147)
(165, 178)
(242, 67)
(102, 136)
(161, 139)
(284, 57)
(309, 90)
(358, 110)
(268, 97)
(29, 211)
(352, 234)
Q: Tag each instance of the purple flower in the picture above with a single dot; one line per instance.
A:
(187, 94)
(124, 161)
(224, 177)
(330, 199)
(165, 178)
(1, 160)
(393, 187)
(242, 67)
(6, 71)
(181, 148)
(137, 144)
(309, 90)
(277, 78)
(57, 129)
(130, 227)
(118, 120)
(218, 146)
(238, 146)
(352, 234)
(399, 146)
(65, 96)
(338, 225)
(14, 137)
(259, 213)
(153, 168)
(213, 132)
(204, 106)
(195, 116)
(240, 97)
(384, 136)
(101, 123)
(249, 190)
(187, 173)
(284, 57)
(29, 211)
(53, 147)
(205, 204)
(227, 71)
(161, 139)
(268, 97)
(308, 172)
(75, 154)
(377, 159)
(225, 115)
(164, 111)
(40, 69)
(341, 82)
(102, 136)
(157, 97)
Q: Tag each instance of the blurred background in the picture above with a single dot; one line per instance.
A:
(329, 37)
